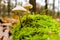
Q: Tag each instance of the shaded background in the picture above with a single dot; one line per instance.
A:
(48, 7)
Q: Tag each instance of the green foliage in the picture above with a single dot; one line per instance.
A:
(16, 31)
(38, 27)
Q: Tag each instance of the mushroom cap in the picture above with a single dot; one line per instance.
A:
(27, 5)
(19, 8)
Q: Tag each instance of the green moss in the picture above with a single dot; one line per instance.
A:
(38, 27)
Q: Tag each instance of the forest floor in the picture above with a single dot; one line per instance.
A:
(5, 25)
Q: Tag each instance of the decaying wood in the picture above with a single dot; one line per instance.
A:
(4, 31)
(10, 37)
(1, 32)
(6, 34)
(8, 20)
(5, 25)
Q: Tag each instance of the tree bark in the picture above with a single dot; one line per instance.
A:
(4, 11)
(53, 5)
(15, 3)
(46, 6)
(58, 8)
(0, 7)
(8, 7)
(33, 2)
(53, 8)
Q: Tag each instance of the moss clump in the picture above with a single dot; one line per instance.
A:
(38, 27)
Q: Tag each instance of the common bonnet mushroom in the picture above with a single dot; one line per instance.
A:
(27, 6)
(19, 9)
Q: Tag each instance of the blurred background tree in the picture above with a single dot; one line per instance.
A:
(15, 3)
(9, 5)
(46, 6)
(0, 6)
(33, 2)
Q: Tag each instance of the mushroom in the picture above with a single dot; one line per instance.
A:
(27, 6)
(19, 9)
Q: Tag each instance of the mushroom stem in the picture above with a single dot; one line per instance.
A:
(19, 18)
(26, 16)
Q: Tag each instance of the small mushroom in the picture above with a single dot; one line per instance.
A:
(19, 9)
(27, 6)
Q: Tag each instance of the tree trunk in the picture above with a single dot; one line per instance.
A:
(58, 8)
(53, 14)
(33, 2)
(4, 13)
(46, 6)
(9, 7)
(15, 3)
(0, 7)
(25, 0)
(53, 5)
